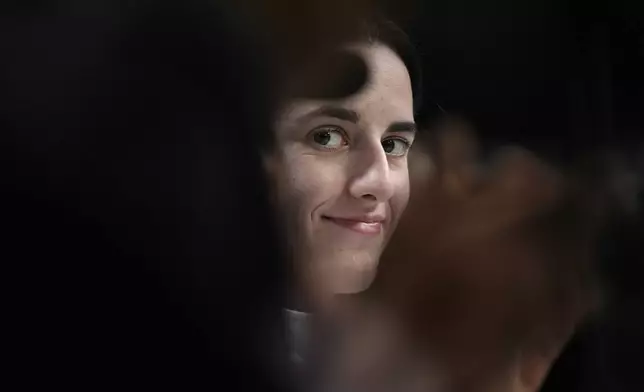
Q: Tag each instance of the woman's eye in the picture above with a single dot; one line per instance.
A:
(395, 146)
(329, 137)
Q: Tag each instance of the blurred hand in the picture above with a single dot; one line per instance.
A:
(487, 258)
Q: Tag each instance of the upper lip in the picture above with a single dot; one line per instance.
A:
(370, 218)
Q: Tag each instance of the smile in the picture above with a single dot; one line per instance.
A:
(368, 226)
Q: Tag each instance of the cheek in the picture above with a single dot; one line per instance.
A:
(309, 181)
(400, 198)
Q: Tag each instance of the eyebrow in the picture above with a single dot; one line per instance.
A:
(402, 126)
(334, 111)
(352, 116)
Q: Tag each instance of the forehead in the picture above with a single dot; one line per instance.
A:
(387, 93)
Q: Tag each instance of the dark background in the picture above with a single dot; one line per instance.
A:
(564, 76)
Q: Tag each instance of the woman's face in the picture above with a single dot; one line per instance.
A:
(340, 173)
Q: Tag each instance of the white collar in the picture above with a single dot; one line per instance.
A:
(298, 329)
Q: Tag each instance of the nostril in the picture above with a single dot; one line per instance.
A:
(369, 196)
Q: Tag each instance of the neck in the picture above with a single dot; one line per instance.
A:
(297, 300)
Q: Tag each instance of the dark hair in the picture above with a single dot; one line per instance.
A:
(388, 33)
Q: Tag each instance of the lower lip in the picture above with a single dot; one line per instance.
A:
(369, 228)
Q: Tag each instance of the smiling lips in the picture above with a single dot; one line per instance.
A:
(369, 225)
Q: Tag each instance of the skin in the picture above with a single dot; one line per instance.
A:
(340, 175)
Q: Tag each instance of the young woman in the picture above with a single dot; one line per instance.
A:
(339, 169)
(340, 175)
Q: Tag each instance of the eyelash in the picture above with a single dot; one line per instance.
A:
(329, 128)
(406, 145)
(402, 139)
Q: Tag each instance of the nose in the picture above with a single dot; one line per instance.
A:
(371, 178)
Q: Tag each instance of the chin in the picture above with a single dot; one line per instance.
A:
(355, 278)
